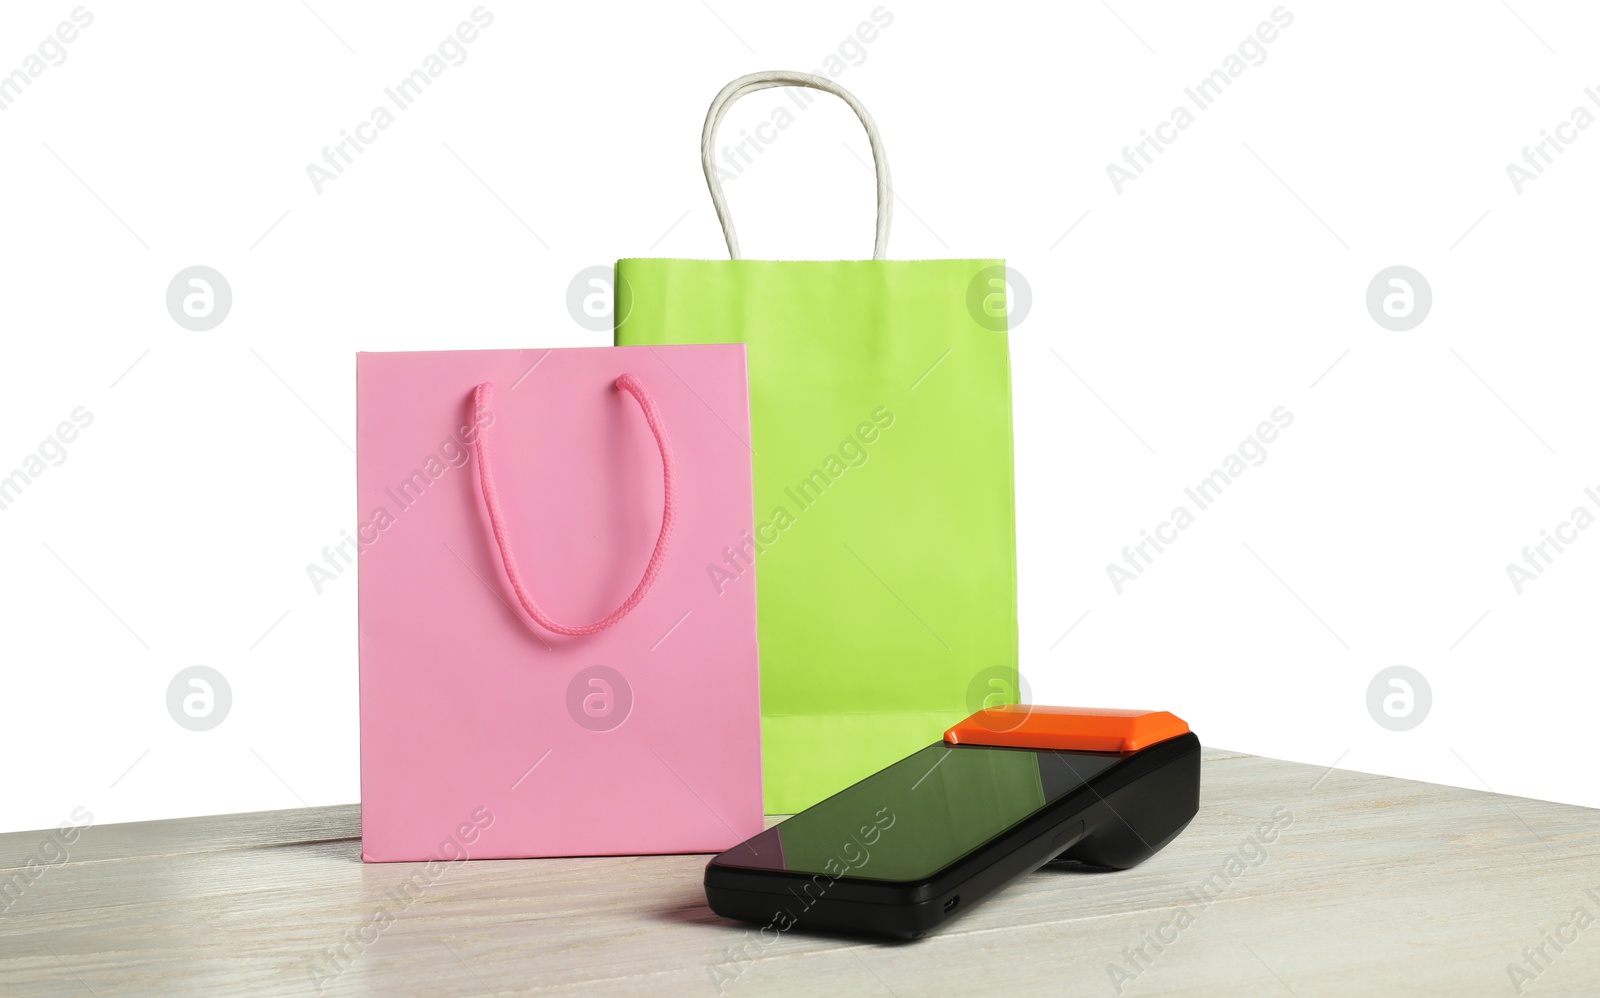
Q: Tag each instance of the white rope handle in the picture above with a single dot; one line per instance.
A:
(782, 78)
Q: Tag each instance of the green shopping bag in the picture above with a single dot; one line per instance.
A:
(880, 424)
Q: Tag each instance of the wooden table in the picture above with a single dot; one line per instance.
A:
(1370, 886)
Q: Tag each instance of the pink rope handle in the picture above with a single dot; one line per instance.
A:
(491, 500)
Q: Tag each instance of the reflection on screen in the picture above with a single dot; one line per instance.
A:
(920, 814)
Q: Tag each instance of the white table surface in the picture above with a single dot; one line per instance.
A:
(1375, 886)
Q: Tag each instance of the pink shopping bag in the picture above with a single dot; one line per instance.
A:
(548, 667)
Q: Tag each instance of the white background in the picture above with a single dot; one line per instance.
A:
(1167, 321)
